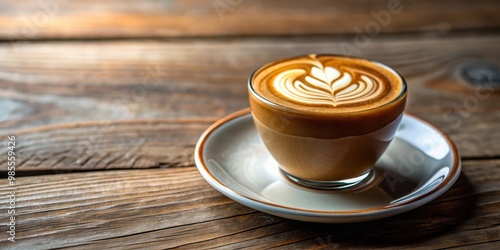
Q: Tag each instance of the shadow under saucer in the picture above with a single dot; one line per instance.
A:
(421, 224)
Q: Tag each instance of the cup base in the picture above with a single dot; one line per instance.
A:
(335, 185)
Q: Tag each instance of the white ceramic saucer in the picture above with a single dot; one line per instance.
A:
(420, 164)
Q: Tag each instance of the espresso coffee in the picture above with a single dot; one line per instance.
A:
(352, 95)
(327, 84)
(326, 118)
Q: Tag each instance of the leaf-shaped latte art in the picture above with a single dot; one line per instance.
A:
(326, 86)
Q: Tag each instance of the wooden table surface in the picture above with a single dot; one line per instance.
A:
(107, 99)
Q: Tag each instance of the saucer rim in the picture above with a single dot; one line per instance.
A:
(278, 208)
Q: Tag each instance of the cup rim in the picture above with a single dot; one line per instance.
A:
(294, 110)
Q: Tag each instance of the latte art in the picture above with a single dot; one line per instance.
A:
(326, 85)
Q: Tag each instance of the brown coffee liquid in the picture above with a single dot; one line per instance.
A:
(336, 96)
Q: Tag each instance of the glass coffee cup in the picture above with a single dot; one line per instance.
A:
(326, 119)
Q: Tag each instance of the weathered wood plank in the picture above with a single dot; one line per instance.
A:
(109, 145)
(55, 19)
(175, 207)
(48, 84)
(176, 89)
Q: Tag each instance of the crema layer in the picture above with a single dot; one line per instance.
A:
(326, 96)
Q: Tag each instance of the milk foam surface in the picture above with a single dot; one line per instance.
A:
(327, 83)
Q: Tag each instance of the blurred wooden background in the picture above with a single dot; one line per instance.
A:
(108, 98)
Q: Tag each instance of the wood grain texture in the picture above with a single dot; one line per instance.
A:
(109, 145)
(72, 104)
(107, 99)
(62, 19)
(175, 207)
